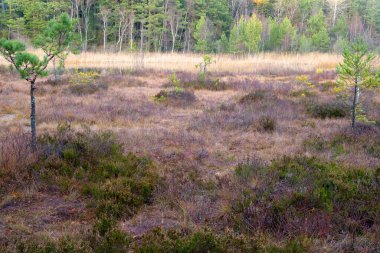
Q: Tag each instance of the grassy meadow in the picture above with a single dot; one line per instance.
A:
(138, 153)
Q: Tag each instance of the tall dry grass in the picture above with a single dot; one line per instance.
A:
(269, 63)
(263, 63)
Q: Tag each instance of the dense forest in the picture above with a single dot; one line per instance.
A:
(220, 26)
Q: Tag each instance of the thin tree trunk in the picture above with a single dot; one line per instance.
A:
(55, 71)
(131, 32)
(142, 37)
(354, 104)
(104, 36)
(33, 116)
(335, 12)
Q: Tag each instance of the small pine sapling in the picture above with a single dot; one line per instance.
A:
(356, 73)
(207, 60)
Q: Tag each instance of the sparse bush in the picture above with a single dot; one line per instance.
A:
(327, 86)
(255, 96)
(302, 93)
(328, 110)
(87, 89)
(245, 170)
(215, 85)
(83, 78)
(104, 237)
(176, 96)
(174, 82)
(15, 161)
(83, 83)
(267, 124)
(198, 241)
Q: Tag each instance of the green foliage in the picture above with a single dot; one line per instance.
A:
(321, 40)
(208, 84)
(293, 189)
(207, 60)
(199, 25)
(94, 164)
(54, 41)
(246, 35)
(305, 44)
(280, 35)
(28, 65)
(356, 68)
(173, 241)
(84, 83)
(356, 72)
(328, 110)
(318, 33)
(202, 35)
(83, 78)
(175, 82)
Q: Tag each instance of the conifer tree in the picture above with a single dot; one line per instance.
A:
(54, 42)
(356, 72)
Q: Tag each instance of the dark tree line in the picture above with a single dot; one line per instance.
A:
(226, 26)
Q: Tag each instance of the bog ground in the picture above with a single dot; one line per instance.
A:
(260, 161)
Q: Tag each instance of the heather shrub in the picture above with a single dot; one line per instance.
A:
(93, 164)
(87, 89)
(176, 96)
(302, 93)
(256, 96)
(103, 237)
(328, 110)
(267, 124)
(306, 196)
(84, 83)
(247, 169)
(161, 241)
(206, 84)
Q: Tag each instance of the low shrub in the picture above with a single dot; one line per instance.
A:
(84, 83)
(206, 84)
(93, 163)
(328, 110)
(255, 96)
(267, 124)
(328, 86)
(302, 93)
(104, 237)
(171, 241)
(247, 169)
(177, 96)
(306, 196)
(86, 89)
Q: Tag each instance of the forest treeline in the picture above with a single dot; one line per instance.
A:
(205, 26)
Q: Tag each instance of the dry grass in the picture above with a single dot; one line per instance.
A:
(263, 63)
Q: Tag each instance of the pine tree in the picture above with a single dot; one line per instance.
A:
(201, 35)
(252, 34)
(356, 72)
(54, 42)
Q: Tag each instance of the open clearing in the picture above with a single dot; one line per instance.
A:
(195, 146)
